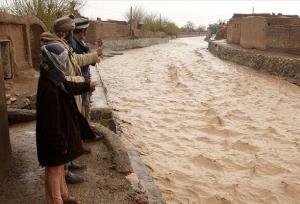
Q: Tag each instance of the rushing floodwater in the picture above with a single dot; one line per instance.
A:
(208, 130)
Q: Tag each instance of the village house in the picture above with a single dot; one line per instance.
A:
(265, 32)
(19, 43)
(234, 27)
(271, 33)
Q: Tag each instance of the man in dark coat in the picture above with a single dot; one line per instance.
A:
(60, 125)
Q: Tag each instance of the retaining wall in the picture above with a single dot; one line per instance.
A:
(190, 34)
(123, 44)
(283, 65)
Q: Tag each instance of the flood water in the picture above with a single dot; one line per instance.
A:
(208, 130)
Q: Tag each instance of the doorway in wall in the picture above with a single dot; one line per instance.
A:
(5, 59)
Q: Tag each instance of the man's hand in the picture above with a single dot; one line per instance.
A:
(100, 54)
(93, 85)
(99, 59)
(100, 51)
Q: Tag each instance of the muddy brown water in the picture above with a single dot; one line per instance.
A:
(208, 130)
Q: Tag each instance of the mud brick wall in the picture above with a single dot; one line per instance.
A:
(114, 30)
(253, 33)
(148, 34)
(5, 147)
(16, 35)
(234, 30)
(100, 30)
(285, 37)
(281, 20)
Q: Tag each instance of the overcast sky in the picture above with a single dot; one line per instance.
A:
(200, 12)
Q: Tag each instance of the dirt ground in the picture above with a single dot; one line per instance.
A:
(25, 181)
(22, 86)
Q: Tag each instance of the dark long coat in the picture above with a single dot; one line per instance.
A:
(60, 126)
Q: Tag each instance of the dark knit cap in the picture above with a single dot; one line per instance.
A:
(64, 24)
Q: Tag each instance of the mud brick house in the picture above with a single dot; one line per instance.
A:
(265, 32)
(234, 27)
(19, 53)
(278, 33)
(19, 43)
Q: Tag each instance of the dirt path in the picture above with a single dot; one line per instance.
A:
(24, 185)
(210, 131)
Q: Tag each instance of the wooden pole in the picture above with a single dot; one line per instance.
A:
(130, 21)
(160, 22)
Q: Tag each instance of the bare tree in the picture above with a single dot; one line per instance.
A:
(201, 28)
(152, 21)
(222, 22)
(3, 6)
(46, 10)
(188, 27)
(138, 14)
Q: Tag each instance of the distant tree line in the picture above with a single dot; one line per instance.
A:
(154, 22)
(190, 27)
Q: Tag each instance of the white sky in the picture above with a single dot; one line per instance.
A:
(200, 12)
